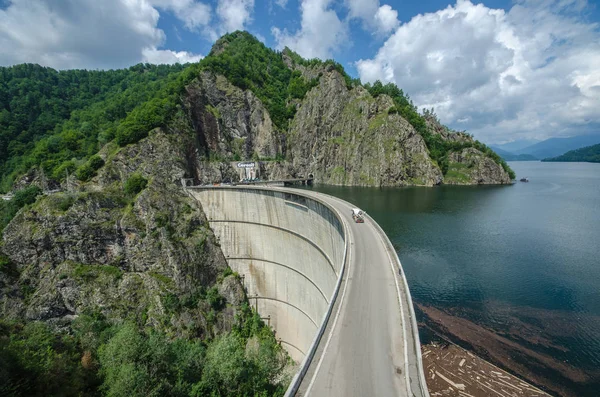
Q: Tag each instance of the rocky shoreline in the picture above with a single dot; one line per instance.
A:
(453, 371)
(512, 351)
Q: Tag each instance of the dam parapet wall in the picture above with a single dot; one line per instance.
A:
(290, 249)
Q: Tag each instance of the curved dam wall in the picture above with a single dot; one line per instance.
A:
(290, 250)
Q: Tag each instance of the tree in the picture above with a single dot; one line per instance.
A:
(135, 184)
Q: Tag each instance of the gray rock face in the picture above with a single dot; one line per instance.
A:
(232, 291)
(339, 136)
(230, 122)
(101, 249)
(346, 137)
(471, 167)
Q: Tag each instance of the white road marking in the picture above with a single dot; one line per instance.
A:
(337, 315)
(401, 314)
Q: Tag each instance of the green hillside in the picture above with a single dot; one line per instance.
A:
(57, 120)
(116, 285)
(590, 154)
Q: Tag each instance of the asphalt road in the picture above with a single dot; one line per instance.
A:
(369, 347)
(364, 351)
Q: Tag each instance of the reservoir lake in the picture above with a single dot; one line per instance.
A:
(510, 272)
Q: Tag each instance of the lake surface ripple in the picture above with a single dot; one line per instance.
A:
(521, 260)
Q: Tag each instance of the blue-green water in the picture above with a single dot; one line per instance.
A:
(522, 260)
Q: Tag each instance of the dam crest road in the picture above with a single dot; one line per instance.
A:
(296, 248)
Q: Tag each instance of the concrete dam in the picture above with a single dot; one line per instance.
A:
(332, 290)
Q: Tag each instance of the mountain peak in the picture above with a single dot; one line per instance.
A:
(224, 41)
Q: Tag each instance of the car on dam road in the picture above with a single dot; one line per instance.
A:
(358, 215)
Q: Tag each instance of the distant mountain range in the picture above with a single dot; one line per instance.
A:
(549, 148)
(512, 147)
(590, 154)
(508, 156)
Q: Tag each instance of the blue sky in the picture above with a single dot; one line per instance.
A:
(502, 70)
(268, 14)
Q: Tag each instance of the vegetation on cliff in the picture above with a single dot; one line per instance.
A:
(116, 284)
(439, 147)
(102, 358)
(249, 64)
(589, 154)
(57, 120)
(120, 288)
(23, 197)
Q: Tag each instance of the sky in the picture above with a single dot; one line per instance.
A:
(501, 70)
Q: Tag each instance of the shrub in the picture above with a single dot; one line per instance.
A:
(88, 170)
(215, 299)
(135, 184)
(23, 197)
(85, 173)
(96, 162)
(63, 201)
(4, 263)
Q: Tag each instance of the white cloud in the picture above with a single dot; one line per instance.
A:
(281, 3)
(152, 55)
(321, 31)
(81, 34)
(530, 73)
(386, 19)
(192, 13)
(235, 14)
(362, 8)
(87, 33)
(378, 19)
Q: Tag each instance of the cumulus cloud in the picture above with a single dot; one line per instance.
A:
(386, 19)
(529, 73)
(321, 32)
(378, 19)
(81, 34)
(235, 14)
(192, 13)
(362, 8)
(152, 55)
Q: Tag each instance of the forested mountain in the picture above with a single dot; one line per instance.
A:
(589, 154)
(58, 119)
(556, 146)
(116, 276)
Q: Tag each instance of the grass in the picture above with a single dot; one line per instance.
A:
(378, 121)
(215, 112)
(88, 272)
(62, 201)
(162, 278)
(457, 173)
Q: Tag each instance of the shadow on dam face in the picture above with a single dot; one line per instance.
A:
(290, 250)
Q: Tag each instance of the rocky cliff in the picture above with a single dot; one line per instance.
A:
(339, 133)
(148, 256)
(345, 136)
(230, 122)
(471, 167)
(148, 253)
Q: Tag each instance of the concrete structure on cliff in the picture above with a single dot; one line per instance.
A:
(333, 290)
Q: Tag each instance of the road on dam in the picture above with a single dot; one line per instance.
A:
(365, 351)
(296, 248)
